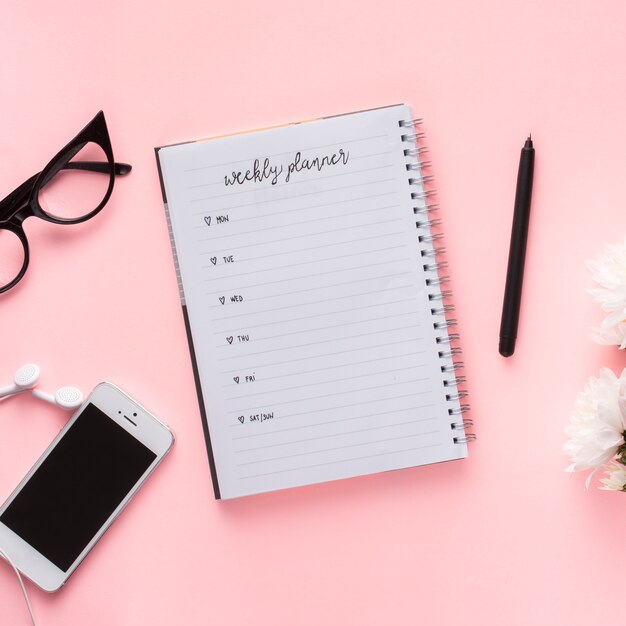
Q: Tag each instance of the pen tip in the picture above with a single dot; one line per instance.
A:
(529, 142)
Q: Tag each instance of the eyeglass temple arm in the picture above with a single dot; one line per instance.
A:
(19, 195)
(120, 169)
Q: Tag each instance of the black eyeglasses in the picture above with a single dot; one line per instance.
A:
(72, 188)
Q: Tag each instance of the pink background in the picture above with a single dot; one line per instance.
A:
(505, 537)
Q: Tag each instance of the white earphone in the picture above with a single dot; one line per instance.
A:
(27, 376)
(66, 397)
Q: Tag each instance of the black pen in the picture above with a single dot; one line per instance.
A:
(517, 250)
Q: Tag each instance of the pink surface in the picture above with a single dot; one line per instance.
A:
(505, 537)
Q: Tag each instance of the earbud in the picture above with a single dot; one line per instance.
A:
(25, 378)
(68, 398)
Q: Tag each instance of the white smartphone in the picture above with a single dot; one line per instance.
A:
(81, 483)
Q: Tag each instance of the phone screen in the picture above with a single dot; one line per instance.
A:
(75, 490)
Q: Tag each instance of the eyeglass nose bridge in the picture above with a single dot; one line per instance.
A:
(16, 218)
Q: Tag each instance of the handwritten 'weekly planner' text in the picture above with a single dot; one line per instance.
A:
(266, 170)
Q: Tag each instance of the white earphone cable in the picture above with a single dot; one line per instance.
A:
(26, 378)
(10, 395)
(19, 578)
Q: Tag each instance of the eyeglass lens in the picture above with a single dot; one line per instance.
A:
(74, 192)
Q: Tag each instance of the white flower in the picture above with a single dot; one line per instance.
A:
(597, 426)
(609, 271)
(615, 478)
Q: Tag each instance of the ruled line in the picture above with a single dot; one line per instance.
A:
(290, 183)
(323, 382)
(278, 295)
(295, 306)
(309, 330)
(332, 367)
(321, 232)
(307, 317)
(344, 419)
(300, 195)
(304, 345)
(219, 182)
(338, 243)
(333, 408)
(306, 208)
(315, 343)
(358, 458)
(350, 445)
(291, 293)
(345, 432)
(328, 245)
(317, 219)
(269, 156)
(367, 156)
(338, 393)
(306, 358)
(335, 271)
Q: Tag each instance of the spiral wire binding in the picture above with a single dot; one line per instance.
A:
(427, 227)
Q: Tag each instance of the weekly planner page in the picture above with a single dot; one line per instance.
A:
(305, 290)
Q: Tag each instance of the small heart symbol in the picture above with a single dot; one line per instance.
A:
(214, 260)
(222, 299)
(229, 339)
(236, 379)
(207, 219)
(240, 418)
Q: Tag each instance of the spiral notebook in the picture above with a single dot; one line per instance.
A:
(310, 277)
